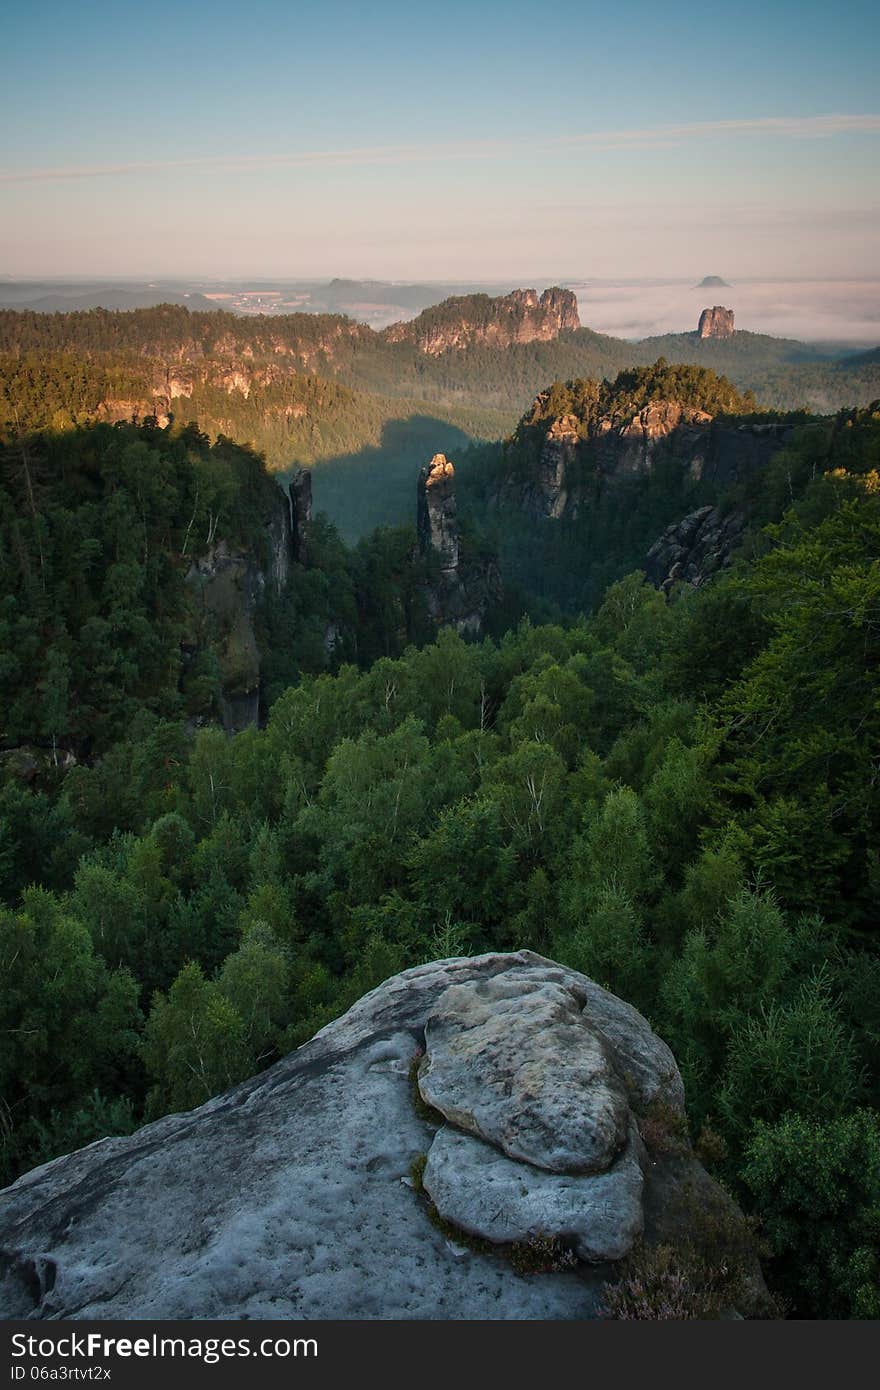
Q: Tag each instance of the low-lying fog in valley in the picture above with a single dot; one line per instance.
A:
(832, 311)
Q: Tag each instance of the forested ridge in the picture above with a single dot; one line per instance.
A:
(321, 391)
(155, 348)
(676, 796)
(368, 446)
(566, 564)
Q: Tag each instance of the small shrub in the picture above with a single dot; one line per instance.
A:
(666, 1283)
(541, 1254)
(710, 1148)
(709, 1271)
(424, 1111)
(417, 1172)
(664, 1129)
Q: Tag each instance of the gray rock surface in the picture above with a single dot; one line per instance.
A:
(476, 1187)
(692, 550)
(290, 1196)
(463, 588)
(514, 1061)
(437, 521)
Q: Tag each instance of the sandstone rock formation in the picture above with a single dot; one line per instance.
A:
(437, 521)
(489, 1049)
(291, 1197)
(716, 323)
(477, 1189)
(575, 460)
(692, 550)
(462, 591)
(227, 585)
(548, 494)
(300, 493)
(543, 1138)
(465, 320)
(629, 445)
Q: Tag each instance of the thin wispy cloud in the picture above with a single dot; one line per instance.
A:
(654, 137)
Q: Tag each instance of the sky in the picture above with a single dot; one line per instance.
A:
(453, 141)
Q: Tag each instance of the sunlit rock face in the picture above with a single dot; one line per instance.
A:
(716, 323)
(293, 1195)
(627, 446)
(549, 495)
(460, 590)
(575, 458)
(469, 320)
(438, 512)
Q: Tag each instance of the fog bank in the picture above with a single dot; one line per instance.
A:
(811, 310)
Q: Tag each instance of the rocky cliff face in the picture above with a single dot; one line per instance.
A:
(691, 551)
(437, 521)
(547, 493)
(300, 493)
(518, 317)
(574, 458)
(463, 589)
(325, 1188)
(227, 585)
(629, 445)
(716, 323)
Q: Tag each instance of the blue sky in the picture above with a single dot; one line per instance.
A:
(479, 140)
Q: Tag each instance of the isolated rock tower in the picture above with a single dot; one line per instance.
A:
(438, 513)
(716, 323)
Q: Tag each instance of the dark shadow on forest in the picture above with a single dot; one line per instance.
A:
(376, 486)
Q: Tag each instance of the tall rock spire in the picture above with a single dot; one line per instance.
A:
(716, 323)
(438, 513)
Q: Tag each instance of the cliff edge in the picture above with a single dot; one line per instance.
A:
(476, 1138)
(477, 319)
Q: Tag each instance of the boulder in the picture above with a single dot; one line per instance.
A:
(296, 1194)
(488, 1195)
(515, 1062)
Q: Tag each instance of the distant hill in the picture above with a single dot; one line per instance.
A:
(477, 319)
(48, 298)
(862, 359)
(340, 293)
(713, 282)
(377, 302)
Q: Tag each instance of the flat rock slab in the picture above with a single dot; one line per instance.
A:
(516, 1062)
(480, 1190)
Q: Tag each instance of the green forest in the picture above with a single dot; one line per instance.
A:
(322, 391)
(678, 797)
